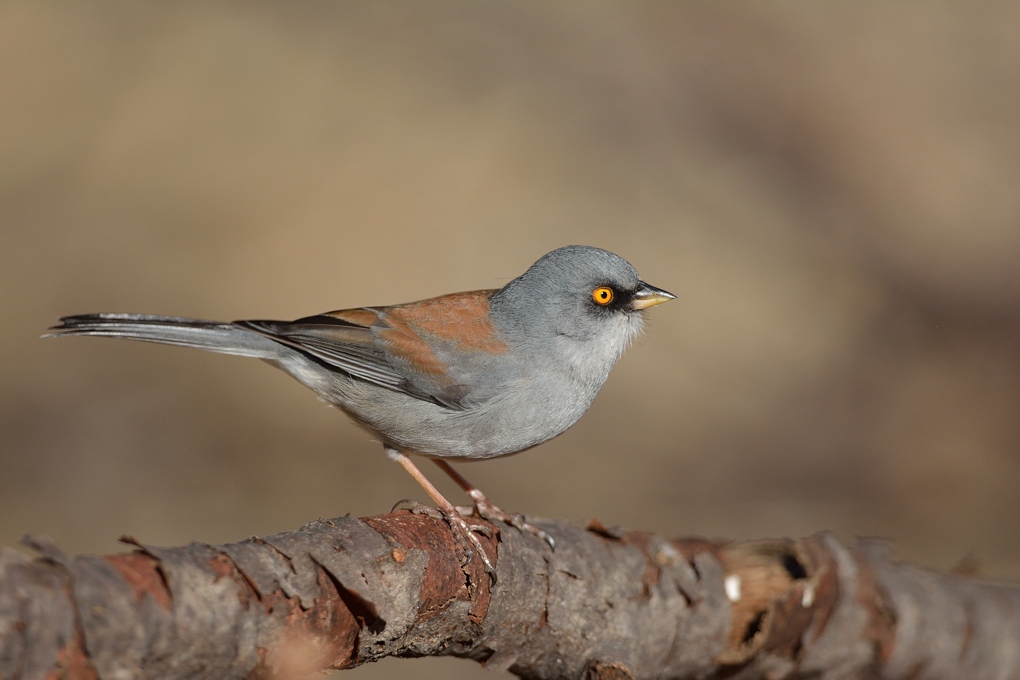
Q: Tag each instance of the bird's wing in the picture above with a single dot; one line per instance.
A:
(425, 349)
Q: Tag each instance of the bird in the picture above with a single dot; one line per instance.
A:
(463, 376)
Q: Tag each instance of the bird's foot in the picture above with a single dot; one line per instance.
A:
(417, 508)
(465, 534)
(462, 531)
(486, 510)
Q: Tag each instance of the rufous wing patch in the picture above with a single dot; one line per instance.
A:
(358, 317)
(460, 317)
(403, 343)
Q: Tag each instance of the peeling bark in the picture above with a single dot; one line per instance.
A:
(605, 605)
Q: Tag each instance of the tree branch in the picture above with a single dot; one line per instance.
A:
(606, 604)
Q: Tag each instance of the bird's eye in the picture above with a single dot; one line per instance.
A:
(602, 295)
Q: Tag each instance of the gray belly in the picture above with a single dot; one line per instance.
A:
(517, 417)
(507, 423)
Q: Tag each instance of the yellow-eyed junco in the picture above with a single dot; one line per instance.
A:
(468, 375)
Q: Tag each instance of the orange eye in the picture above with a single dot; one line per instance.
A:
(602, 295)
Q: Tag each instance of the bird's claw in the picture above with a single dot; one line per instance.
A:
(535, 531)
(417, 508)
(465, 535)
(490, 512)
(469, 511)
(462, 531)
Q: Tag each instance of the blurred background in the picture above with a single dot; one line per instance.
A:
(832, 190)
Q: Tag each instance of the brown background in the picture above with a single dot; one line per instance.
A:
(833, 191)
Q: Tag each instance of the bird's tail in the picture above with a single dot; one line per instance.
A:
(214, 336)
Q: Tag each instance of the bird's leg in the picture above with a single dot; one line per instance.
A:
(461, 529)
(485, 508)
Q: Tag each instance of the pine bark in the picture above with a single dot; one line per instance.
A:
(605, 604)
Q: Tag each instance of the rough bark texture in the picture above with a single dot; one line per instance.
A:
(606, 604)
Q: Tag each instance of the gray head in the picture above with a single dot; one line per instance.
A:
(578, 292)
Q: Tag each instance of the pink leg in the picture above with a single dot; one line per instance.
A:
(461, 529)
(485, 508)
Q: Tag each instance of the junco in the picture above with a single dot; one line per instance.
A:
(468, 375)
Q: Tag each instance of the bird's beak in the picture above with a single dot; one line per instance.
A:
(649, 296)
